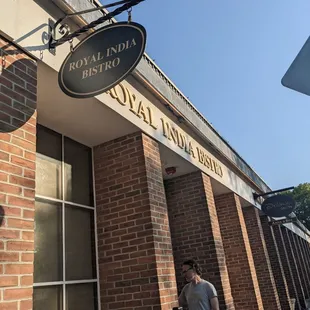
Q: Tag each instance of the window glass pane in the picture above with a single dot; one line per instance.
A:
(80, 244)
(78, 174)
(48, 242)
(47, 298)
(82, 296)
(48, 170)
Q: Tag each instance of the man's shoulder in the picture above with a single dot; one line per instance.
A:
(209, 287)
(186, 287)
(207, 284)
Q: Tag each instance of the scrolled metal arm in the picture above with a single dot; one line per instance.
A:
(64, 29)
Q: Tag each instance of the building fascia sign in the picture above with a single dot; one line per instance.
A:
(168, 129)
(102, 60)
(135, 107)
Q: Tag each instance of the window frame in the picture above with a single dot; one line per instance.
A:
(63, 203)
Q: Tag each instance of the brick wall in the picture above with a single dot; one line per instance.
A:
(306, 266)
(286, 264)
(263, 268)
(196, 232)
(299, 261)
(294, 266)
(303, 244)
(276, 264)
(17, 176)
(307, 251)
(135, 251)
(240, 264)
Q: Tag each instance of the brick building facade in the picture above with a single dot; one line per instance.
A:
(17, 176)
(90, 216)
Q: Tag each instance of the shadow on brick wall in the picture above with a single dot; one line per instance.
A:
(2, 214)
(18, 86)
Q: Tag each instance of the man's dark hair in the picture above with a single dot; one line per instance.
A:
(193, 264)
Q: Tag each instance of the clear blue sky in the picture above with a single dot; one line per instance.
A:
(229, 57)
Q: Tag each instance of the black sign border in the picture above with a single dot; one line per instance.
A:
(263, 207)
(61, 84)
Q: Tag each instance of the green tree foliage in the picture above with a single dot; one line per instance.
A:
(301, 194)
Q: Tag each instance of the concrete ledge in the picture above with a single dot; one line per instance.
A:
(158, 79)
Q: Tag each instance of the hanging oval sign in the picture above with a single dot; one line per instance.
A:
(278, 206)
(102, 60)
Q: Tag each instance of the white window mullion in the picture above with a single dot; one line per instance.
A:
(82, 281)
(63, 203)
(63, 223)
(42, 284)
(67, 202)
(95, 231)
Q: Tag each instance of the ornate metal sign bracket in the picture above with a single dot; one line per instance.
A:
(64, 29)
(256, 196)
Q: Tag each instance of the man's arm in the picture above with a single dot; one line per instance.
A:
(212, 294)
(215, 303)
(182, 299)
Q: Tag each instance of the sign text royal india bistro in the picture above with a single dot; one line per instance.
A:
(126, 98)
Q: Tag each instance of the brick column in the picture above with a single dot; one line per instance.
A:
(307, 251)
(239, 259)
(294, 266)
(263, 268)
(286, 265)
(303, 245)
(17, 176)
(196, 232)
(135, 252)
(308, 248)
(300, 261)
(276, 264)
(306, 265)
(307, 255)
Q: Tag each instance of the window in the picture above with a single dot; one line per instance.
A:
(65, 271)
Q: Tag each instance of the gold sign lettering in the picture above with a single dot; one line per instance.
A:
(132, 102)
(98, 57)
(210, 163)
(121, 94)
(142, 113)
(151, 118)
(174, 134)
(177, 137)
(105, 66)
(125, 97)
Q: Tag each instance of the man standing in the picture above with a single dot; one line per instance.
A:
(198, 294)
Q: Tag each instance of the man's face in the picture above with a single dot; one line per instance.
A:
(188, 273)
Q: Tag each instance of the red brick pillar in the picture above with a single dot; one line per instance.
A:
(305, 264)
(196, 232)
(239, 259)
(287, 265)
(300, 261)
(135, 252)
(294, 266)
(307, 251)
(17, 176)
(303, 245)
(263, 268)
(276, 264)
